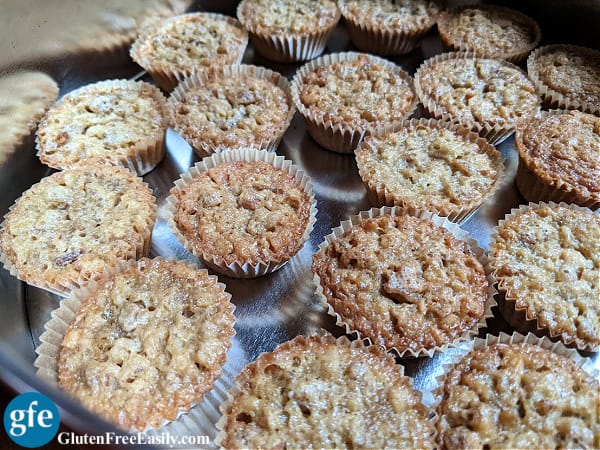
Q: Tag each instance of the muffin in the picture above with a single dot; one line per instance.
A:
(289, 30)
(118, 120)
(172, 49)
(73, 225)
(518, 395)
(144, 345)
(430, 165)
(388, 27)
(567, 76)
(24, 99)
(489, 31)
(316, 392)
(488, 96)
(243, 212)
(344, 96)
(560, 158)
(414, 285)
(546, 258)
(232, 106)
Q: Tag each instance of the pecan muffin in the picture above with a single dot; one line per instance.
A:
(316, 392)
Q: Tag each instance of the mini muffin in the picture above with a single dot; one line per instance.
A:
(489, 31)
(24, 99)
(172, 49)
(289, 30)
(518, 396)
(414, 285)
(343, 96)
(430, 165)
(232, 106)
(316, 392)
(243, 212)
(488, 96)
(73, 225)
(145, 344)
(560, 158)
(546, 258)
(388, 27)
(118, 120)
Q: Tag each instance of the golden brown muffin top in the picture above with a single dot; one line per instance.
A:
(397, 15)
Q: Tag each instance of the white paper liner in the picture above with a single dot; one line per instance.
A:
(142, 244)
(521, 318)
(551, 97)
(287, 47)
(494, 132)
(340, 137)
(241, 269)
(446, 30)
(140, 158)
(166, 75)
(437, 220)
(465, 348)
(370, 36)
(205, 148)
(55, 329)
(325, 338)
(380, 196)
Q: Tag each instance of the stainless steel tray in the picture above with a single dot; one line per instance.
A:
(270, 309)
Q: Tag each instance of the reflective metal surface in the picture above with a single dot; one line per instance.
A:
(269, 310)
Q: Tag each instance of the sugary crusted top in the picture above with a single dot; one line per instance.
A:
(428, 167)
(548, 259)
(106, 120)
(243, 212)
(518, 396)
(395, 15)
(573, 72)
(479, 90)
(490, 31)
(148, 341)
(357, 93)
(288, 17)
(312, 393)
(74, 223)
(564, 149)
(193, 40)
(233, 111)
(403, 281)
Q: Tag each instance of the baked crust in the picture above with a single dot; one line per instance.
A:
(73, 225)
(518, 396)
(403, 282)
(390, 16)
(547, 258)
(317, 392)
(243, 212)
(147, 343)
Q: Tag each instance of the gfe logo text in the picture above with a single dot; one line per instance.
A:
(31, 420)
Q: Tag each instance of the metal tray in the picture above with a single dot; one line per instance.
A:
(270, 309)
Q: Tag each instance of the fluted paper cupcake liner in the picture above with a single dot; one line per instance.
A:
(380, 196)
(551, 97)
(140, 158)
(287, 48)
(456, 231)
(494, 132)
(514, 56)
(266, 358)
(520, 318)
(342, 138)
(165, 75)
(370, 37)
(48, 351)
(196, 79)
(240, 268)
